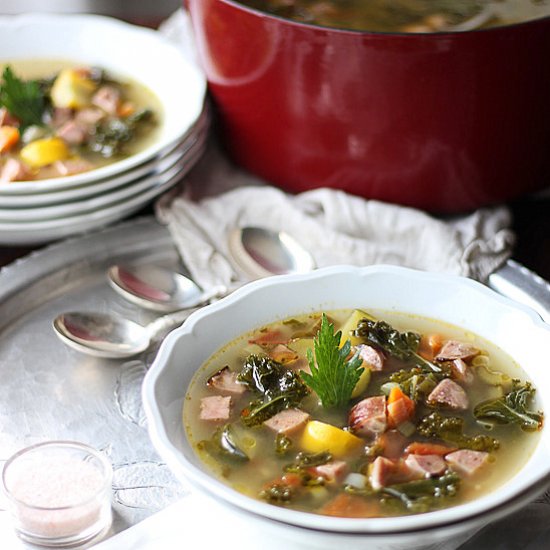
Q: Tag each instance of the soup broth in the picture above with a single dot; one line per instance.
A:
(71, 119)
(420, 431)
(406, 15)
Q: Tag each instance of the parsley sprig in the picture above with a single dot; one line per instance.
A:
(332, 377)
(23, 99)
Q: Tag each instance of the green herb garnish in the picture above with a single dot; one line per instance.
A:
(332, 377)
(511, 408)
(23, 99)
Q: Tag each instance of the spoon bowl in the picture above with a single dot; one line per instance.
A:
(261, 252)
(110, 337)
(158, 289)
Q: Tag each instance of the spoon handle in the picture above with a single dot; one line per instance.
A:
(161, 326)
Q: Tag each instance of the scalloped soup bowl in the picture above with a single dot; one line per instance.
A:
(515, 329)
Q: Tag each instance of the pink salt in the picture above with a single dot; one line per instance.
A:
(56, 497)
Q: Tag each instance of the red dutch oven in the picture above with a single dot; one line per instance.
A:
(446, 122)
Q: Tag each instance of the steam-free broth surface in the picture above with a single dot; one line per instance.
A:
(429, 445)
(406, 15)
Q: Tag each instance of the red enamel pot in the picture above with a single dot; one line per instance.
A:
(446, 122)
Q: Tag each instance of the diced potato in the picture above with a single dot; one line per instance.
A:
(72, 90)
(319, 436)
(362, 383)
(44, 151)
(351, 324)
(301, 346)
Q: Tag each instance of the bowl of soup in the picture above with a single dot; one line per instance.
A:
(437, 105)
(357, 405)
(85, 97)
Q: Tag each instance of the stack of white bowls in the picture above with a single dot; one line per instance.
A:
(34, 212)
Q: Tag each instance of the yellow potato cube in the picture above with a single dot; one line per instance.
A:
(319, 436)
(351, 324)
(362, 383)
(72, 90)
(44, 151)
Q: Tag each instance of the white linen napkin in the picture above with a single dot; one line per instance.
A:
(335, 227)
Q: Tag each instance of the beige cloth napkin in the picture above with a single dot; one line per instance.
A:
(336, 228)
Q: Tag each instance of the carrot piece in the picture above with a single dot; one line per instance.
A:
(291, 479)
(126, 109)
(424, 448)
(351, 506)
(430, 346)
(9, 136)
(400, 407)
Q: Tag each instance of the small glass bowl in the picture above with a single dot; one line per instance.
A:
(59, 493)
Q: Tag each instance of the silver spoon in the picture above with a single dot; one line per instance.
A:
(260, 251)
(110, 337)
(159, 289)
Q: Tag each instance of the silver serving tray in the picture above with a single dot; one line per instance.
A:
(49, 391)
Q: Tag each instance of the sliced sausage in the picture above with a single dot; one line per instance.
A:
(372, 357)
(453, 349)
(461, 372)
(426, 465)
(466, 461)
(449, 393)
(368, 417)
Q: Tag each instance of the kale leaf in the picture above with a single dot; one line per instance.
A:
(402, 345)
(223, 444)
(333, 378)
(451, 429)
(424, 495)
(279, 387)
(417, 383)
(511, 408)
(110, 137)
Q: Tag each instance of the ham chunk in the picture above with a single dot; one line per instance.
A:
(372, 357)
(283, 354)
(392, 443)
(226, 381)
(453, 349)
(287, 421)
(215, 408)
(108, 99)
(368, 417)
(14, 170)
(89, 116)
(466, 461)
(68, 167)
(449, 393)
(426, 465)
(332, 471)
(73, 132)
(461, 372)
(384, 472)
